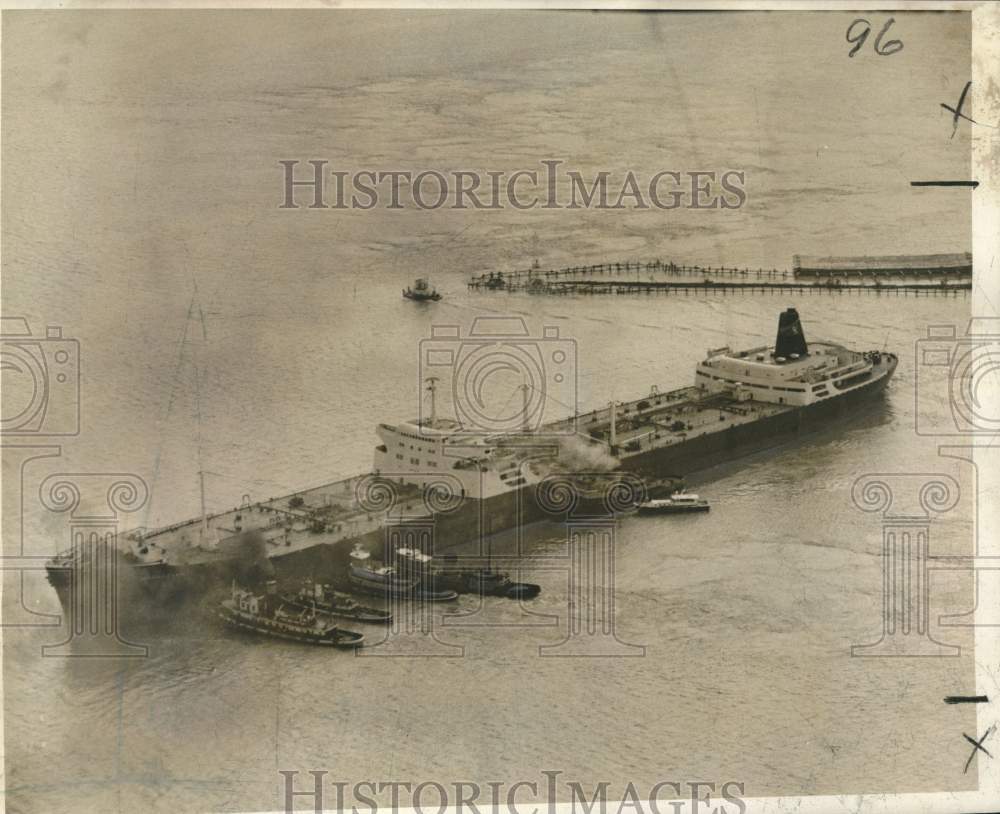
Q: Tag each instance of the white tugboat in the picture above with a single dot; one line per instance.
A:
(679, 503)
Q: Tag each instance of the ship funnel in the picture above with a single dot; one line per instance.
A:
(791, 340)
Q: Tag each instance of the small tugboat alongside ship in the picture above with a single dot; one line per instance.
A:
(267, 615)
(324, 599)
(384, 580)
(450, 576)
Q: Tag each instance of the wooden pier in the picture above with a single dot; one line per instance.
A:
(657, 277)
(892, 265)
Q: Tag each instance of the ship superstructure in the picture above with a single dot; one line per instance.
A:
(792, 372)
(484, 464)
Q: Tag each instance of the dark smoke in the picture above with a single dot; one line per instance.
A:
(250, 565)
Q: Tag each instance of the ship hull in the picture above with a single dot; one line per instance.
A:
(712, 449)
(649, 510)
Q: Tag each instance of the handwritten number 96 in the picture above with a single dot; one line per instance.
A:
(858, 31)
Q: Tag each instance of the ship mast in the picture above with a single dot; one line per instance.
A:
(432, 389)
(524, 406)
(205, 542)
(204, 513)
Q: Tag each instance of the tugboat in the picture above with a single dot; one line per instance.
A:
(677, 503)
(483, 581)
(384, 580)
(334, 603)
(486, 582)
(421, 291)
(657, 487)
(269, 616)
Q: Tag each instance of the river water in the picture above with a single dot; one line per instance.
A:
(141, 176)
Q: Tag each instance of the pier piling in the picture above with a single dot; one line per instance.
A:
(580, 279)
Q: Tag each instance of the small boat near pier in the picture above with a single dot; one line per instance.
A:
(422, 291)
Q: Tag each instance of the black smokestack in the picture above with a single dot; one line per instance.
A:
(790, 339)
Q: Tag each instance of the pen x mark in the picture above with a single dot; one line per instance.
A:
(957, 110)
(978, 747)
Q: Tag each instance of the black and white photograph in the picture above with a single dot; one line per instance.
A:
(442, 408)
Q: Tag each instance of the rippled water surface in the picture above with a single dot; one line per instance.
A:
(143, 172)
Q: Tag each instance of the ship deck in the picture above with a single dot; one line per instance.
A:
(328, 513)
(660, 419)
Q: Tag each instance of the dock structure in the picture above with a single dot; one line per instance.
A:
(658, 277)
(893, 265)
(522, 278)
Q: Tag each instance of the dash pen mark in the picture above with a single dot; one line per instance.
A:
(970, 184)
(965, 699)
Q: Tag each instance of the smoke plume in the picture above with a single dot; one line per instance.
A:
(577, 455)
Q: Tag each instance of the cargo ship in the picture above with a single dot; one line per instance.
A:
(435, 484)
